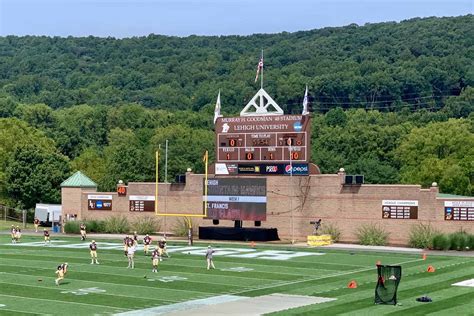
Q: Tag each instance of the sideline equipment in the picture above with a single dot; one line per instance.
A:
(388, 280)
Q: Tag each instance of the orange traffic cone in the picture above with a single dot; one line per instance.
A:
(424, 256)
(378, 263)
(352, 285)
(431, 269)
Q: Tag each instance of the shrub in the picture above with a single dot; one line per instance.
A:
(471, 242)
(441, 242)
(180, 228)
(71, 227)
(95, 226)
(333, 230)
(146, 225)
(117, 224)
(421, 236)
(372, 234)
(459, 240)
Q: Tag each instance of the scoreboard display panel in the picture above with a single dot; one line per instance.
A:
(263, 139)
(236, 199)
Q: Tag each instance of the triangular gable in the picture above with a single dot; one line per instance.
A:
(261, 104)
(79, 180)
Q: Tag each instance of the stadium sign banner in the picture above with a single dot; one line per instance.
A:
(99, 202)
(298, 169)
(459, 210)
(141, 203)
(236, 199)
(399, 209)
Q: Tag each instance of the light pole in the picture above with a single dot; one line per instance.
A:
(291, 194)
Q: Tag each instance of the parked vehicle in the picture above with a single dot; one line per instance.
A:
(48, 214)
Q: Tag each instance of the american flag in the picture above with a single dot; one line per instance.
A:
(259, 68)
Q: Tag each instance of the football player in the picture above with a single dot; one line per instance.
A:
(209, 253)
(131, 254)
(17, 234)
(125, 245)
(93, 248)
(36, 223)
(47, 240)
(146, 244)
(155, 256)
(61, 272)
(135, 238)
(162, 248)
(13, 234)
(83, 231)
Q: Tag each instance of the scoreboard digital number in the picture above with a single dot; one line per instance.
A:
(263, 139)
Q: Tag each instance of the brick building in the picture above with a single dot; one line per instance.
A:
(292, 203)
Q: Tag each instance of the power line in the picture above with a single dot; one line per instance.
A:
(315, 100)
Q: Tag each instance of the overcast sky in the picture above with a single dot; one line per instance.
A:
(126, 18)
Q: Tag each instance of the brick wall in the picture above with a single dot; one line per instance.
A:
(292, 203)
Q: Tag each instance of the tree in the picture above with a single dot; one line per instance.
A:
(186, 148)
(126, 159)
(37, 115)
(33, 175)
(79, 127)
(440, 152)
(92, 162)
(14, 133)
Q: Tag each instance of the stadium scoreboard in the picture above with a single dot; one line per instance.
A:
(263, 139)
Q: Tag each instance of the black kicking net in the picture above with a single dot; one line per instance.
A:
(388, 279)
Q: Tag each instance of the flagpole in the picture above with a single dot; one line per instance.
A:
(156, 184)
(291, 195)
(206, 162)
(261, 78)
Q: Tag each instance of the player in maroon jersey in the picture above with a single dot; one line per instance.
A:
(93, 248)
(146, 244)
(125, 245)
(135, 238)
(82, 228)
(162, 248)
(36, 223)
(47, 239)
(155, 256)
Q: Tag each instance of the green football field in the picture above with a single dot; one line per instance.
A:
(27, 279)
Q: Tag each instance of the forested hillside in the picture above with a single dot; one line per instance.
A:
(393, 101)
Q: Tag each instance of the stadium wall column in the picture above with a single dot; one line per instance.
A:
(71, 201)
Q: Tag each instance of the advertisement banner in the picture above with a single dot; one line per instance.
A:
(99, 202)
